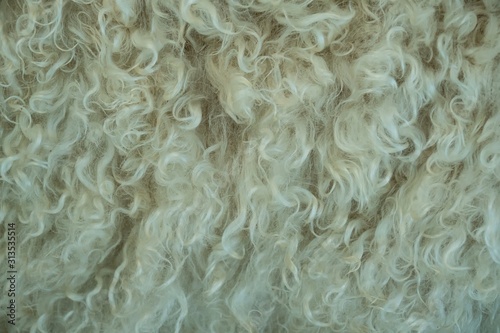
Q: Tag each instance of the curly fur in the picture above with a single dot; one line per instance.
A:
(252, 165)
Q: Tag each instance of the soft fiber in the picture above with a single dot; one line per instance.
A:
(251, 165)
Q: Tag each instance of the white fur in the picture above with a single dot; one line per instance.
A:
(252, 165)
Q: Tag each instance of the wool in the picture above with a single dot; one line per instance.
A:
(251, 165)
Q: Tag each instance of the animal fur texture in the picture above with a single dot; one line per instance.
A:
(251, 165)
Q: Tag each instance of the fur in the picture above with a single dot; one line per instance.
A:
(252, 165)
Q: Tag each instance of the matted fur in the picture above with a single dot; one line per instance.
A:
(252, 166)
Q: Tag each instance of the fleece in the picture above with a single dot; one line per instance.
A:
(250, 166)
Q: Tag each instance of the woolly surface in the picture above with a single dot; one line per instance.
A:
(252, 166)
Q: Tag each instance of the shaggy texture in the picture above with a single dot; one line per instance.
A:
(251, 165)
